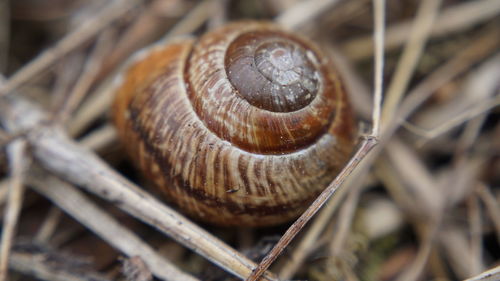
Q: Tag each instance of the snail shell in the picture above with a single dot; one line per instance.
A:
(243, 126)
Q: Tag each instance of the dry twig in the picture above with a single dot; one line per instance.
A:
(18, 164)
(75, 39)
(57, 153)
(94, 218)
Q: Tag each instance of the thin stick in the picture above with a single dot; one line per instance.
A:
(99, 138)
(451, 20)
(476, 236)
(306, 244)
(366, 146)
(88, 76)
(49, 225)
(100, 100)
(62, 156)
(491, 205)
(73, 40)
(368, 143)
(345, 218)
(378, 35)
(46, 265)
(17, 159)
(75, 203)
(195, 18)
(457, 120)
(424, 20)
(296, 16)
(489, 275)
(427, 241)
(471, 54)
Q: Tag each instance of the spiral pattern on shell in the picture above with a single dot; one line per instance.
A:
(243, 126)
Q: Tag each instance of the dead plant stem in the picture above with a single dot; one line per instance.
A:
(366, 146)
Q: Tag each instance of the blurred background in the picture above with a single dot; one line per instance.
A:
(425, 207)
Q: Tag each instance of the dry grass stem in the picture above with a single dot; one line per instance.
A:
(492, 206)
(415, 269)
(192, 20)
(43, 267)
(451, 20)
(426, 14)
(49, 225)
(306, 245)
(366, 146)
(100, 100)
(57, 153)
(418, 200)
(476, 51)
(151, 21)
(394, 185)
(99, 138)
(73, 40)
(18, 164)
(303, 12)
(415, 176)
(76, 204)
(378, 37)
(360, 97)
(456, 247)
(343, 227)
(89, 74)
(476, 240)
(489, 275)
(456, 120)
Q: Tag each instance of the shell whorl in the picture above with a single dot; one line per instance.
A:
(220, 153)
(242, 113)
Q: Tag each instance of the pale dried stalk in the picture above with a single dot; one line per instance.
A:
(476, 240)
(99, 138)
(426, 14)
(451, 20)
(366, 146)
(95, 106)
(489, 275)
(73, 40)
(415, 176)
(393, 184)
(455, 246)
(306, 244)
(378, 37)
(105, 226)
(49, 225)
(87, 77)
(195, 18)
(17, 162)
(479, 109)
(100, 100)
(57, 153)
(4, 191)
(42, 268)
(345, 219)
(483, 84)
(478, 49)
(303, 12)
(492, 206)
(413, 272)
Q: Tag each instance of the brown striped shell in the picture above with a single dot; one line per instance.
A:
(243, 126)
